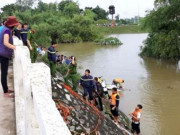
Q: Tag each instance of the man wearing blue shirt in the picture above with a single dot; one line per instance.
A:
(68, 61)
(24, 32)
(88, 84)
(52, 57)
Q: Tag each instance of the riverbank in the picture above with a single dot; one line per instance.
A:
(123, 29)
(123, 119)
(84, 119)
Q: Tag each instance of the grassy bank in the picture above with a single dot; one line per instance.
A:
(124, 29)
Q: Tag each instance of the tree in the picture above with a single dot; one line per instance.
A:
(164, 30)
(71, 9)
(51, 21)
(62, 5)
(117, 18)
(42, 6)
(90, 8)
(26, 3)
(101, 13)
(163, 1)
(89, 14)
(52, 6)
(123, 21)
(9, 9)
(160, 3)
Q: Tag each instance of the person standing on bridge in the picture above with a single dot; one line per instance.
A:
(52, 57)
(71, 73)
(136, 115)
(6, 50)
(114, 104)
(88, 84)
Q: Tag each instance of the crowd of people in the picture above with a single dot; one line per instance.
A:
(41, 50)
(91, 86)
(61, 59)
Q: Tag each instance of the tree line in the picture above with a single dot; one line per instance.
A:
(163, 24)
(64, 21)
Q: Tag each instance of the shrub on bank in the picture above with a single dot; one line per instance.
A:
(162, 45)
(108, 41)
(61, 68)
(164, 31)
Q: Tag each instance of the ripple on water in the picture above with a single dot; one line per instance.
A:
(159, 98)
(158, 88)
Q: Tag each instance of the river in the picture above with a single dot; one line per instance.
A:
(153, 83)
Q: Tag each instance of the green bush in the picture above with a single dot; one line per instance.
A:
(164, 30)
(63, 22)
(108, 41)
(45, 59)
(162, 45)
(61, 68)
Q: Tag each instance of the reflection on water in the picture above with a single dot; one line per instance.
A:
(155, 84)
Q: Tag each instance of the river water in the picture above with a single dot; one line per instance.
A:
(153, 83)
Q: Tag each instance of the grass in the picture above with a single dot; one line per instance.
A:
(123, 29)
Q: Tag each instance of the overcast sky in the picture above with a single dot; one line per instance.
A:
(125, 8)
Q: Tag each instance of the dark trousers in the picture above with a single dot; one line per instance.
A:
(4, 73)
(100, 102)
(52, 68)
(88, 91)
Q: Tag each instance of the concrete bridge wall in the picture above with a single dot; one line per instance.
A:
(36, 113)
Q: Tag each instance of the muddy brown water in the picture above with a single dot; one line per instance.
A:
(153, 83)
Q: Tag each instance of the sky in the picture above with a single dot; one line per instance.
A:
(125, 8)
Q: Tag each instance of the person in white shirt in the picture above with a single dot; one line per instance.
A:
(42, 52)
(136, 115)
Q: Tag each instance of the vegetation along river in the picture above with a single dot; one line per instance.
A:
(153, 83)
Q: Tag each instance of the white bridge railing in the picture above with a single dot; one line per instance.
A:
(36, 113)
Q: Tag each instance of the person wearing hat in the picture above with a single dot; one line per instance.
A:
(6, 50)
